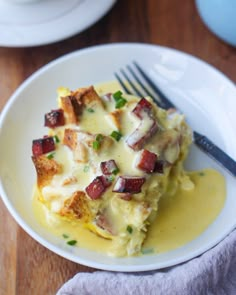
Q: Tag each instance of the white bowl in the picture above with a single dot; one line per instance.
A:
(205, 95)
(26, 23)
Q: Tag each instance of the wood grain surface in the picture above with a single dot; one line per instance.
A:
(26, 267)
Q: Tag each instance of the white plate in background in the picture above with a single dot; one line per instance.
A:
(204, 94)
(47, 21)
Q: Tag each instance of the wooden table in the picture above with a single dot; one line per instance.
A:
(26, 267)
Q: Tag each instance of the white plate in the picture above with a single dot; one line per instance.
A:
(205, 95)
(47, 21)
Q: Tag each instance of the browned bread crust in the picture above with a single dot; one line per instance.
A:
(46, 169)
(73, 104)
(77, 207)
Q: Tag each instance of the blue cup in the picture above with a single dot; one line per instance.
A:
(220, 17)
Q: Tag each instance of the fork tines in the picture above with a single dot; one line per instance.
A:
(137, 82)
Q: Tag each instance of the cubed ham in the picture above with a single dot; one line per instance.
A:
(147, 127)
(139, 137)
(159, 166)
(97, 187)
(109, 167)
(147, 161)
(105, 180)
(128, 184)
(143, 106)
(43, 146)
(55, 118)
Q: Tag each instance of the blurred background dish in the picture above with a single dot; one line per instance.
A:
(219, 17)
(19, 1)
(43, 22)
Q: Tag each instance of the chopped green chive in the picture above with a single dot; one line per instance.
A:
(117, 95)
(111, 178)
(97, 142)
(65, 236)
(147, 251)
(72, 242)
(99, 137)
(115, 171)
(201, 173)
(116, 135)
(120, 103)
(96, 145)
(57, 140)
(86, 169)
(129, 229)
(90, 110)
(119, 99)
(50, 156)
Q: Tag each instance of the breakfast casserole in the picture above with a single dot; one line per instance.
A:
(107, 160)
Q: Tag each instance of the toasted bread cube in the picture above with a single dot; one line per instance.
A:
(74, 103)
(88, 97)
(70, 138)
(115, 118)
(46, 169)
(72, 109)
(78, 142)
(77, 207)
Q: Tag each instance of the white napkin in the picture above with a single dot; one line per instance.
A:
(212, 273)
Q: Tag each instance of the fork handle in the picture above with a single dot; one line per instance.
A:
(215, 152)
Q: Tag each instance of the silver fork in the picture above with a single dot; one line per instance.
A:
(132, 84)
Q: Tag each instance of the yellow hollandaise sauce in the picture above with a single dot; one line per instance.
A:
(184, 216)
(181, 217)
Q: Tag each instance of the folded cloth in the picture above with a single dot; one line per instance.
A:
(212, 273)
